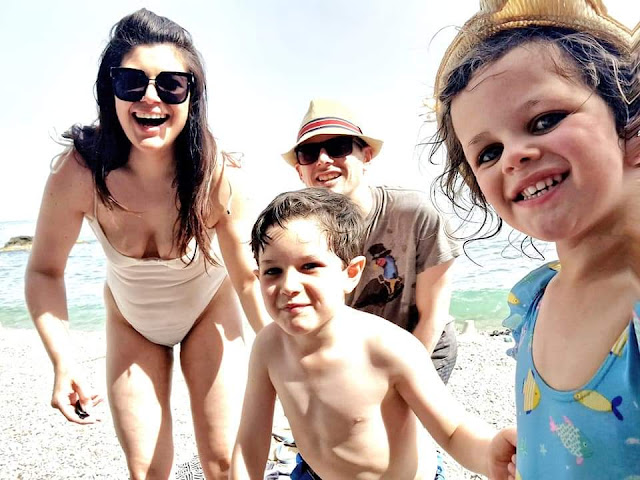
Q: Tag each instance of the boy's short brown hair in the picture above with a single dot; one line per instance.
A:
(337, 216)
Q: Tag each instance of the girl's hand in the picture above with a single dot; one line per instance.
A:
(502, 455)
(73, 400)
(512, 468)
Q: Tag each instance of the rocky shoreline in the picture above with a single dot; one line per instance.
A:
(36, 442)
(22, 243)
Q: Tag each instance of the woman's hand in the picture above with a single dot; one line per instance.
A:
(74, 400)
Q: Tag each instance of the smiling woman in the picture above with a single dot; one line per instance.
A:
(147, 118)
(150, 182)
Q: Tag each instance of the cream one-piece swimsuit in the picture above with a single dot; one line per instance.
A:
(161, 299)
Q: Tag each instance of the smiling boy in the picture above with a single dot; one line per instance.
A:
(347, 380)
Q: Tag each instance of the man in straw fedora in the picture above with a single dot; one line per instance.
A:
(406, 278)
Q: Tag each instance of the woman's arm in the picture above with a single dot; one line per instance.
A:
(65, 199)
(233, 229)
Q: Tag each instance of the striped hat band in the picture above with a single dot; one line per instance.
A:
(329, 122)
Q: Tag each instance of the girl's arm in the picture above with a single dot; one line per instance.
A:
(251, 450)
(233, 229)
(467, 438)
(66, 197)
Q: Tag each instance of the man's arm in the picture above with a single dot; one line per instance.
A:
(251, 450)
(433, 296)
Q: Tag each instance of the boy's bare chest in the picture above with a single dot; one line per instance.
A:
(331, 382)
(344, 414)
(339, 398)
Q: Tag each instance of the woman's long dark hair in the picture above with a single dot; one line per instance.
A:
(105, 147)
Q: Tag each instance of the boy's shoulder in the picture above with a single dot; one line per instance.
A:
(376, 333)
(368, 323)
(270, 332)
(268, 338)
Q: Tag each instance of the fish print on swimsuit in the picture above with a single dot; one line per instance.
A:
(596, 401)
(531, 393)
(572, 439)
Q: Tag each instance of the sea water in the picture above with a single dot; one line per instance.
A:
(481, 280)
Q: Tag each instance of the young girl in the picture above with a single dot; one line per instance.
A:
(534, 107)
(151, 185)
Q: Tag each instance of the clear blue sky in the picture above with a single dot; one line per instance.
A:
(265, 60)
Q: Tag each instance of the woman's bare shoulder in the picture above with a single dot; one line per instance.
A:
(70, 163)
(229, 197)
(71, 179)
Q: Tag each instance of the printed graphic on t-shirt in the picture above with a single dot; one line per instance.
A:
(387, 285)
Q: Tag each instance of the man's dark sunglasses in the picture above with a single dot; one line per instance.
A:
(130, 85)
(336, 147)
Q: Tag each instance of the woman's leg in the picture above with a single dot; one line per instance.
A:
(139, 388)
(214, 362)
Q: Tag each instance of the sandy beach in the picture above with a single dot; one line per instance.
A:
(36, 442)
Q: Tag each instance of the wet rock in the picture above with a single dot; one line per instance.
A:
(21, 242)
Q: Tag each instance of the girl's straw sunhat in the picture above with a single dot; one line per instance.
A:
(497, 15)
(329, 117)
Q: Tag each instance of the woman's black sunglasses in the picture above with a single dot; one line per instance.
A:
(336, 147)
(130, 85)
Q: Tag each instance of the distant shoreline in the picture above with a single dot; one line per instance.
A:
(23, 243)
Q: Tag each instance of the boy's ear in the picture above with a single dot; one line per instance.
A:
(354, 272)
(297, 167)
(256, 272)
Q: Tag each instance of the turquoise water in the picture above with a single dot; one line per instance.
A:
(84, 280)
(479, 291)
